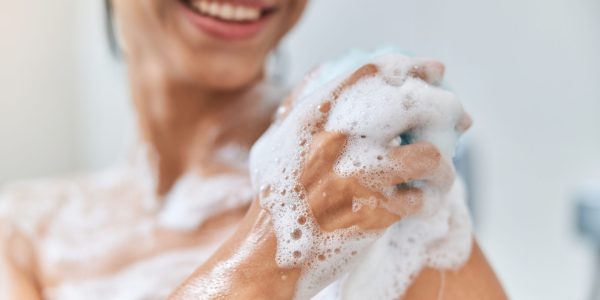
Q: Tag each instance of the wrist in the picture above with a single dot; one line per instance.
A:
(244, 266)
(259, 248)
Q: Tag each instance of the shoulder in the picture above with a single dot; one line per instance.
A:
(26, 205)
(35, 206)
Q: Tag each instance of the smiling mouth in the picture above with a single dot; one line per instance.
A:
(229, 12)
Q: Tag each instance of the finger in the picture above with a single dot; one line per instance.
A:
(323, 154)
(387, 211)
(365, 71)
(405, 202)
(464, 123)
(418, 161)
(422, 163)
(430, 71)
(292, 99)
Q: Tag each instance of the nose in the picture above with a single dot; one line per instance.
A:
(431, 71)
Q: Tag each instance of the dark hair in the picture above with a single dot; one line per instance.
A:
(110, 29)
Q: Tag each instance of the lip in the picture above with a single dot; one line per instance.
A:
(225, 29)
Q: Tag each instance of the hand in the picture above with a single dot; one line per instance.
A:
(344, 162)
(338, 202)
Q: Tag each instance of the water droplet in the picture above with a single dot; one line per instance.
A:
(325, 107)
(302, 220)
(297, 234)
(265, 191)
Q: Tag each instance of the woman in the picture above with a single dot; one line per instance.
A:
(196, 71)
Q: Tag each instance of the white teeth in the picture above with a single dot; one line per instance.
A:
(245, 13)
(226, 11)
(253, 14)
(213, 9)
(238, 13)
(204, 6)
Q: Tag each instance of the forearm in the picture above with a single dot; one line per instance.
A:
(244, 267)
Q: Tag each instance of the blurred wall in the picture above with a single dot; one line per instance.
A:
(105, 112)
(528, 71)
(38, 89)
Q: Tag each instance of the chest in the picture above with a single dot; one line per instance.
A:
(104, 241)
(145, 279)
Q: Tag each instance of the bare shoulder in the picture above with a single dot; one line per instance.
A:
(25, 205)
(474, 280)
(32, 206)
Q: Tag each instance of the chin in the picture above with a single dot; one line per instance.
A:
(229, 84)
(226, 77)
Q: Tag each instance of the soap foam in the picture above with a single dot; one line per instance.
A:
(439, 238)
(373, 113)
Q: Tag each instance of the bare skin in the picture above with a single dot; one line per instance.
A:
(474, 280)
(185, 84)
(17, 277)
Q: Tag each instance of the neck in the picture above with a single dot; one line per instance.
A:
(186, 125)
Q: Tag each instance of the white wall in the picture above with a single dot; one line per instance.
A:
(63, 97)
(528, 71)
(105, 112)
(37, 89)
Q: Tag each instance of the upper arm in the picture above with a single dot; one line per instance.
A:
(25, 209)
(474, 280)
(17, 261)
